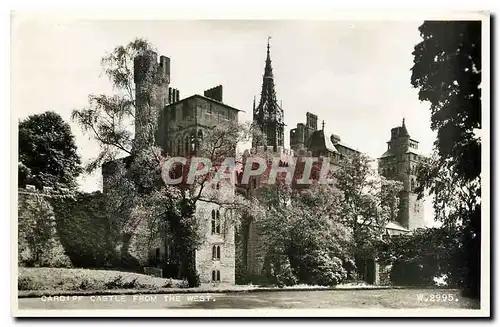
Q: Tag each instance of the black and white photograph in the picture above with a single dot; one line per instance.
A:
(250, 167)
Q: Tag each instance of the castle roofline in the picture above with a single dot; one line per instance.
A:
(342, 144)
(387, 154)
(319, 137)
(205, 98)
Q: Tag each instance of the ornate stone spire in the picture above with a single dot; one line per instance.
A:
(269, 114)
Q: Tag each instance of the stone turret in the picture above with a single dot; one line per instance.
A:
(399, 162)
(151, 79)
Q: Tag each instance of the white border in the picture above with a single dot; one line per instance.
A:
(276, 12)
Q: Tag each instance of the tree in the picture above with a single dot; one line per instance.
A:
(47, 152)
(447, 72)
(302, 236)
(368, 204)
(108, 118)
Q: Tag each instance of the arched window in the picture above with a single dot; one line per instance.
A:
(193, 142)
(200, 136)
(213, 221)
(216, 252)
(179, 145)
(218, 275)
(217, 226)
(214, 276)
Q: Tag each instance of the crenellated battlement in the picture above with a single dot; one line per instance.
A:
(152, 93)
(269, 150)
(147, 68)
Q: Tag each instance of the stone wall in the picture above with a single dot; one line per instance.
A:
(205, 263)
(416, 212)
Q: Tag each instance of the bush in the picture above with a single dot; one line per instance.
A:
(413, 273)
(278, 271)
(324, 270)
(61, 279)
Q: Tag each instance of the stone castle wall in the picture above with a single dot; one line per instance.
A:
(205, 262)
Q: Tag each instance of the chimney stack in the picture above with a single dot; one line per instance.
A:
(173, 95)
(214, 93)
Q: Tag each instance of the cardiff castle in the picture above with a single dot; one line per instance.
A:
(178, 126)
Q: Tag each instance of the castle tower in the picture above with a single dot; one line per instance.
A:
(400, 162)
(151, 95)
(268, 115)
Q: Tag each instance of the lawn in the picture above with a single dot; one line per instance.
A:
(64, 279)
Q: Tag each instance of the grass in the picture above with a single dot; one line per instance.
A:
(65, 279)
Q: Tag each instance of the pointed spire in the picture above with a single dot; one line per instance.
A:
(268, 71)
(404, 131)
(268, 104)
(268, 114)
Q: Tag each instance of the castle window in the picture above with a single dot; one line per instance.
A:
(200, 137)
(217, 225)
(216, 275)
(193, 143)
(216, 252)
(186, 145)
(216, 222)
(213, 222)
(179, 145)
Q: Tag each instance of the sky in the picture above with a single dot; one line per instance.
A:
(355, 75)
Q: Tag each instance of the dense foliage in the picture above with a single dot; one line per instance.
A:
(47, 152)
(323, 234)
(38, 241)
(447, 72)
(85, 231)
(419, 257)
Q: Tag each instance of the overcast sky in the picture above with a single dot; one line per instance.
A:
(354, 75)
